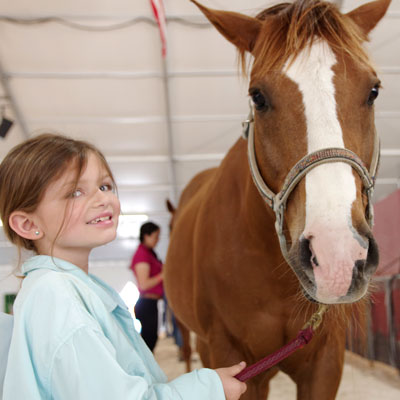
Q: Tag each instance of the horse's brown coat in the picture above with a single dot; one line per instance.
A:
(225, 275)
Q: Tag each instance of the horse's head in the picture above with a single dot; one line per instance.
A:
(313, 87)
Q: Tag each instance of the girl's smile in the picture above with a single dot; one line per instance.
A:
(105, 219)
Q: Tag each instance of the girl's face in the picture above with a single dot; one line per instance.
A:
(88, 214)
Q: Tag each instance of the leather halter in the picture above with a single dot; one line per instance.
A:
(277, 201)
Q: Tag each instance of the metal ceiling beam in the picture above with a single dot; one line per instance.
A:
(4, 80)
(195, 20)
(156, 159)
(339, 3)
(164, 159)
(150, 188)
(119, 74)
(387, 114)
(162, 119)
(123, 188)
(390, 152)
(138, 120)
(84, 75)
(388, 181)
(129, 75)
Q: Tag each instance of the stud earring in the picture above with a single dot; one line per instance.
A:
(37, 233)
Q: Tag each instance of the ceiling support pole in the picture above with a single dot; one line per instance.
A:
(170, 138)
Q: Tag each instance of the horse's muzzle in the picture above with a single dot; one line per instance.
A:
(323, 281)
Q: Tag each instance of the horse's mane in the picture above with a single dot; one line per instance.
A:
(292, 27)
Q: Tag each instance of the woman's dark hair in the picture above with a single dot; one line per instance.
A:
(147, 229)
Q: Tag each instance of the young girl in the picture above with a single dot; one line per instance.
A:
(73, 337)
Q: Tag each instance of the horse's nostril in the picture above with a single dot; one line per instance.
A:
(305, 253)
(359, 269)
(360, 265)
(315, 261)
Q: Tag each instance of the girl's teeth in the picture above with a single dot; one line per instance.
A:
(100, 219)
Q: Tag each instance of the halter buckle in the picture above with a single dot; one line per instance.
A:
(246, 128)
(247, 122)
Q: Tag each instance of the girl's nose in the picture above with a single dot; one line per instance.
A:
(101, 197)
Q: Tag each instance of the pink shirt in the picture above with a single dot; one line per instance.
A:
(144, 254)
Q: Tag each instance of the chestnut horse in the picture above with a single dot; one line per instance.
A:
(307, 168)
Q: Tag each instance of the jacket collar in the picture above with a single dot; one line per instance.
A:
(51, 263)
(108, 295)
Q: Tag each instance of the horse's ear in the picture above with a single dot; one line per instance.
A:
(170, 206)
(239, 29)
(368, 15)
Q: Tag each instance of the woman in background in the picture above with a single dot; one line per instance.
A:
(148, 271)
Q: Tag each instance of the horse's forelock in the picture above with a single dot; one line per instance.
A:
(289, 28)
(277, 9)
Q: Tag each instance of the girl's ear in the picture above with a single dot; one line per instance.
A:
(23, 225)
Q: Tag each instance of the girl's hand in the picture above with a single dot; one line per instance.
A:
(233, 388)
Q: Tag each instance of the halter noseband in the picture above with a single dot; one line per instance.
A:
(278, 201)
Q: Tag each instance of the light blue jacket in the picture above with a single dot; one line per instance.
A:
(6, 325)
(74, 338)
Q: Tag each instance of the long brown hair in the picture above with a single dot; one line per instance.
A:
(29, 168)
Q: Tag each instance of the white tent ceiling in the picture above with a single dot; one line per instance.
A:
(108, 86)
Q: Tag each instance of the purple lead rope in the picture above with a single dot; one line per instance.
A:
(303, 337)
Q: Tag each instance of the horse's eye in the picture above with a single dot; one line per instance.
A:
(373, 95)
(259, 100)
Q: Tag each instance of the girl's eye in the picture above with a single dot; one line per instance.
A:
(107, 188)
(77, 193)
(373, 95)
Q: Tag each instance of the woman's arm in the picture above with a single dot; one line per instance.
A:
(146, 282)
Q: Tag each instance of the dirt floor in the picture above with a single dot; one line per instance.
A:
(362, 380)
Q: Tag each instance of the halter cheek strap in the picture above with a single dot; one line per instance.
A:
(278, 201)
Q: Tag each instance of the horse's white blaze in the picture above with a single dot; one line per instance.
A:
(330, 188)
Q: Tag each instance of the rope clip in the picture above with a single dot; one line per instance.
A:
(316, 318)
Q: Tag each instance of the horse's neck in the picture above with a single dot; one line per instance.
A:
(235, 172)
(254, 219)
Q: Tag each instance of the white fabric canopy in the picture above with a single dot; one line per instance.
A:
(108, 87)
